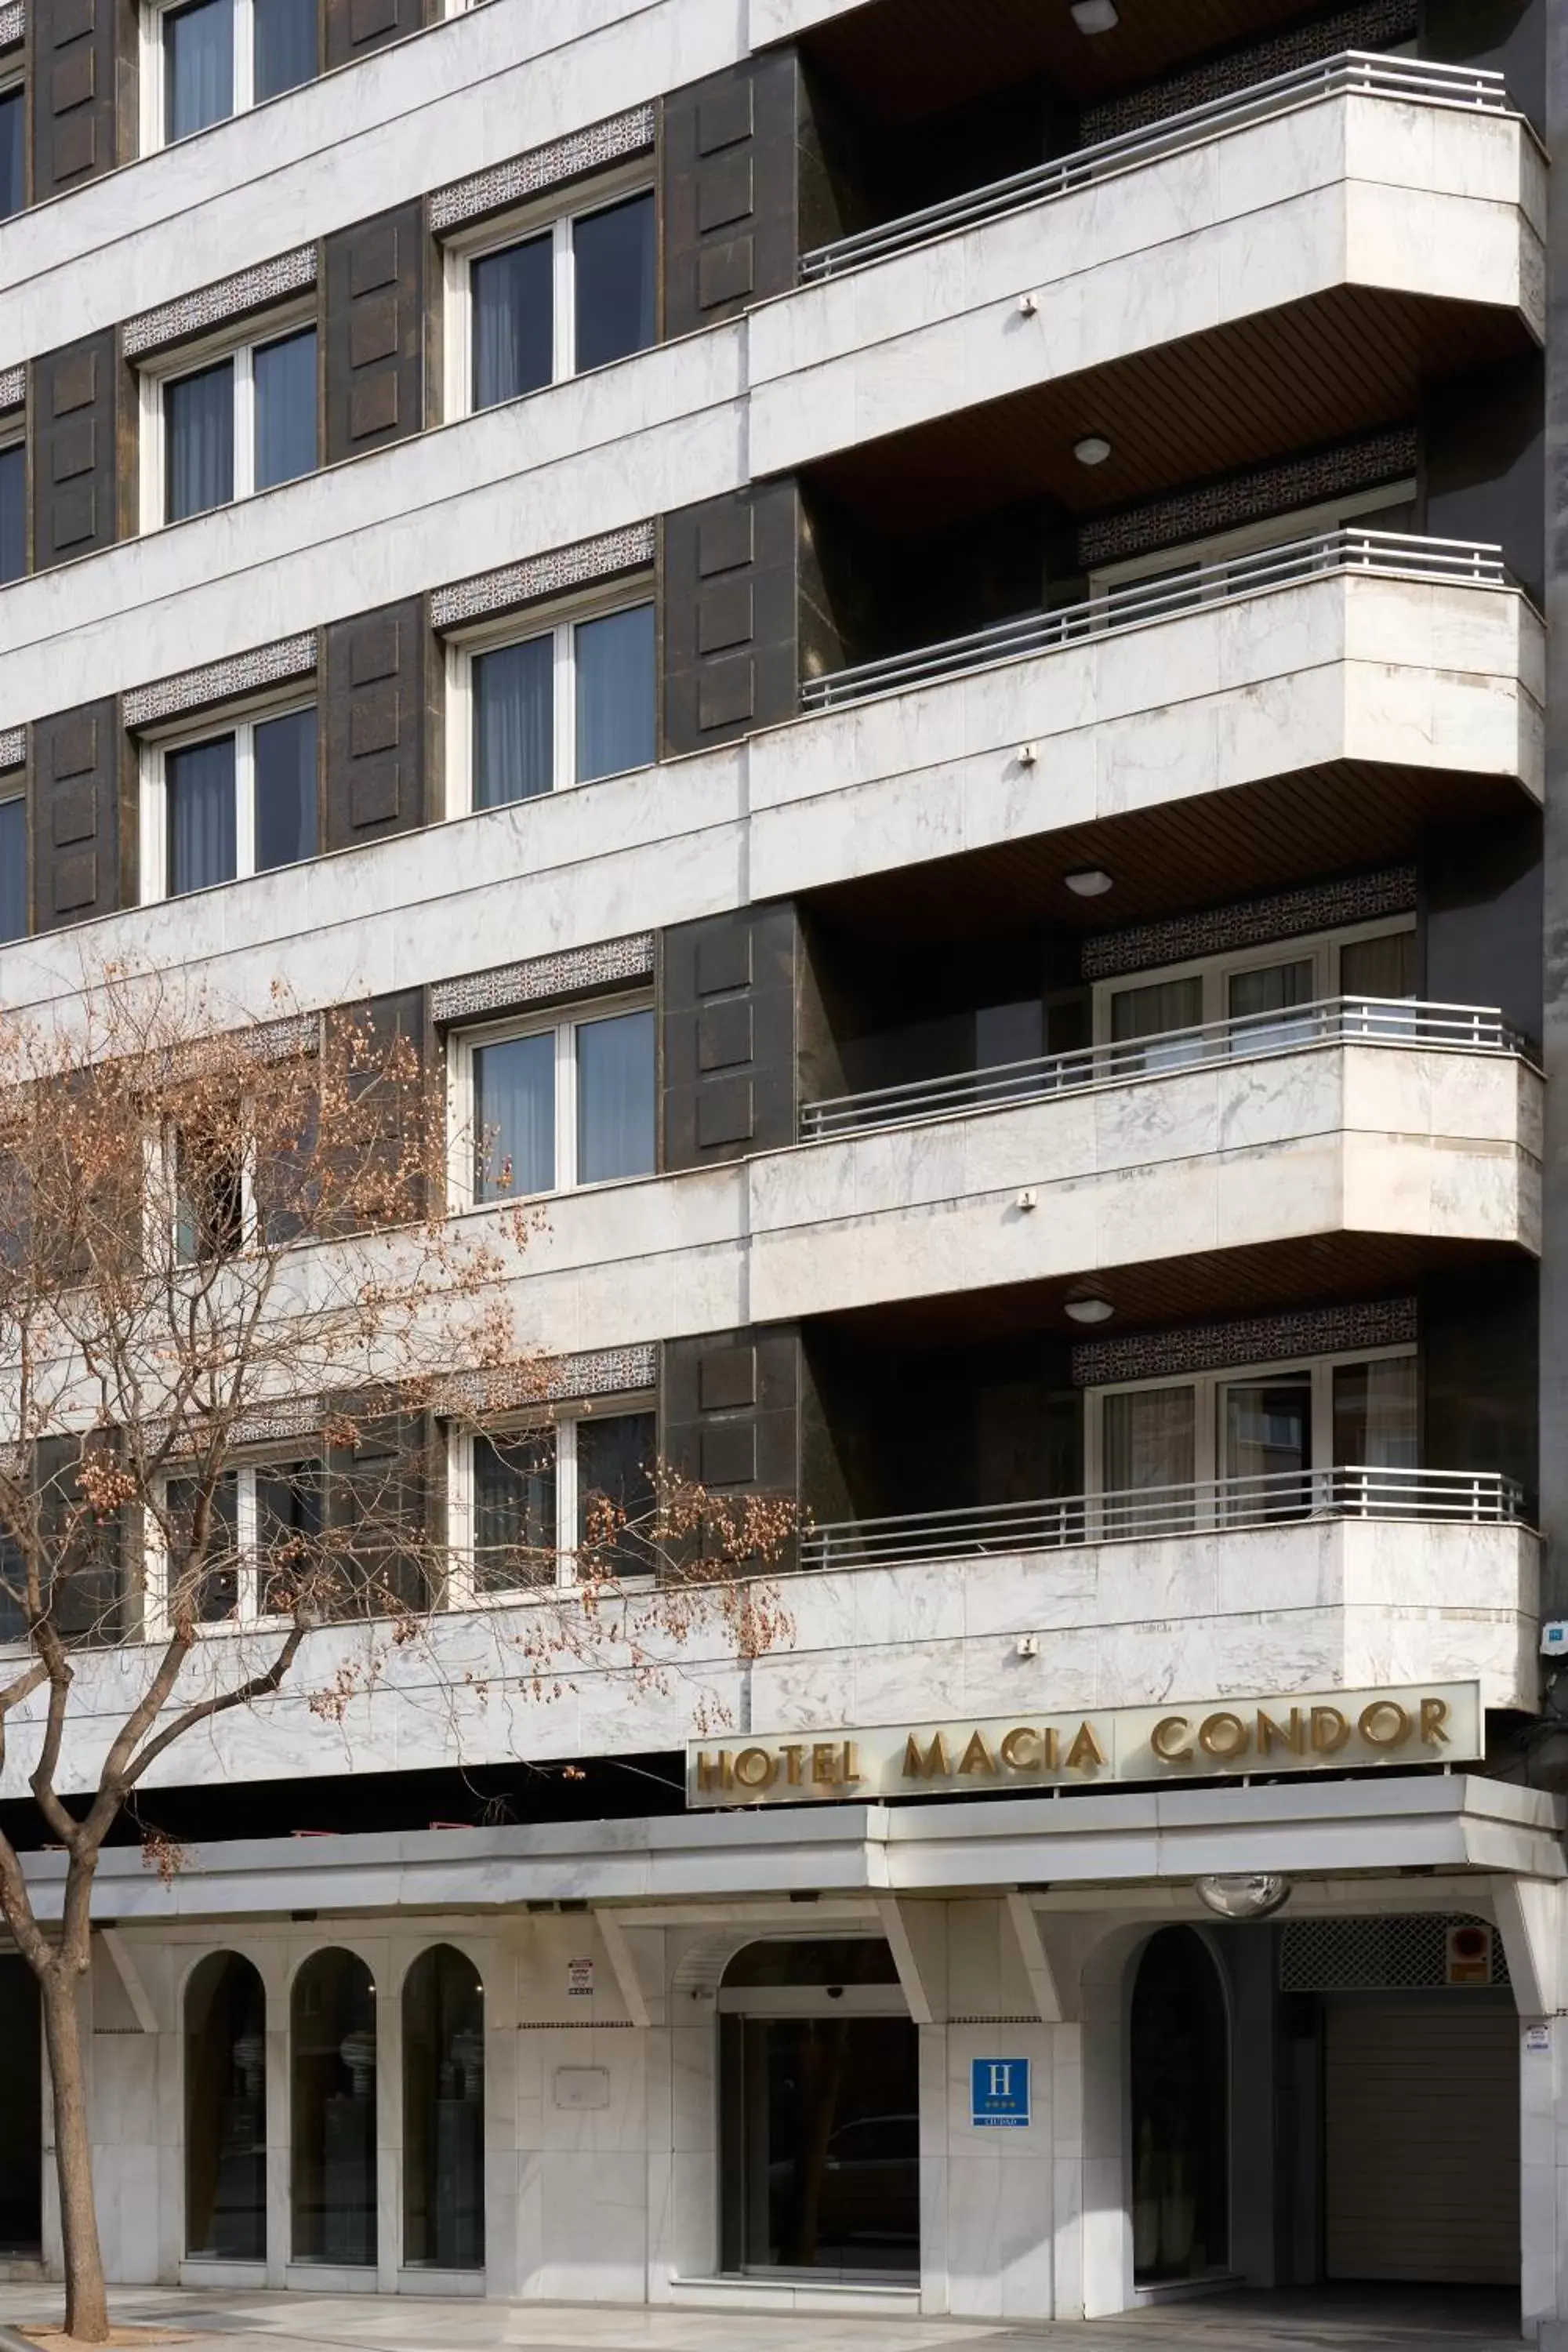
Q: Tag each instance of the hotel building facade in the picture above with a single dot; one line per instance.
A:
(907, 640)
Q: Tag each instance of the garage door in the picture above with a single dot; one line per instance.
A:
(1421, 2140)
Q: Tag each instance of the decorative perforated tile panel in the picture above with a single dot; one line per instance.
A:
(13, 387)
(550, 574)
(541, 168)
(559, 1379)
(1254, 1339)
(542, 977)
(12, 25)
(224, 682)
(1358, 465)
(14, 747)
(1367, 27)
(231, 297)
(1251, 922)
(1391, 1953)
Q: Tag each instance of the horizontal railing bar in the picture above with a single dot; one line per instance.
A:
(1251, 1036)
(1351, 73)
(1482, 1498)
(1467, 562)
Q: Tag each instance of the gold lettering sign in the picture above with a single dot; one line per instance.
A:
(1299, 1732)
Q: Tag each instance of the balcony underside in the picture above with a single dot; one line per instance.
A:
(911, 57)
(1152, 1293)
(1349, 358)
(1198, 851)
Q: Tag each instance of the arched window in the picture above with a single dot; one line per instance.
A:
(225, 2110)
(333, 2037)
(1181, 2111)
(443, 2113)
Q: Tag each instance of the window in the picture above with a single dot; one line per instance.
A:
(543, 1109)
(567, 705)
(13, 867)
(13, 150)
(332, 2111)
(243, 423)
(571, 294)
(1387, 507)
(13, 511)
(208, 59)
(530, 1504)
(225, 2110)
(1272, 1437)
(266, 1522)
(443, 2113)
(1263, 989)
(228, 805)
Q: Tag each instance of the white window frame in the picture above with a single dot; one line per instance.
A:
(153, 809)
(559, 620)
(1249, 538)
(154, 130)
(462, 1590)
(1207, 1388)
(556, 215)
(1216, 971)
(248, 1610)
(563, 1022)
(191, 359)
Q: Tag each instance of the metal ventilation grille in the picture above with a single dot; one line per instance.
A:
(1386, 1953)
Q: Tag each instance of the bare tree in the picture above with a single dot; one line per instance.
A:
(232, 1316)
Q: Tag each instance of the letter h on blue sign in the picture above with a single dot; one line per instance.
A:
(999, 2091)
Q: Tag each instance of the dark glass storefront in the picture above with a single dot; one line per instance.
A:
(1181, 2122)
(821, 2113)
(21, 2109)
(443, 2113)
(225, 2110)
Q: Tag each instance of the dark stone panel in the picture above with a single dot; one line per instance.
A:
(1506, 37)
(1481, 918)
(1480, 1365)
(730, 1414)
(374, 278)
(75, 408)
(728, 172)
(379, 679)
(1483, 462)
(729, 597)
(728, 990)
(74, 816)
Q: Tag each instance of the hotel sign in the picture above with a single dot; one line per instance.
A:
(1338, 1731)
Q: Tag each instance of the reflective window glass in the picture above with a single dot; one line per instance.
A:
(615, 695)
(208, 1590)
(612, 252)
(332, 2066)
(226, 2111)
(514, 1117)
(512, 295)
(13, 152)
(285, 768)
(13, 511)
(615, 1496)
(198, 442)
(616, 1097)
(285, 46)
(514, 722)
(285, 409)
(443, 2113)
(514, 1510)
(199, 782)
(13, 868)
(198, 67)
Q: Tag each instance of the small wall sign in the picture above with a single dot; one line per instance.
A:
(1537, 2041)
(999, 2092)
(580, 1979)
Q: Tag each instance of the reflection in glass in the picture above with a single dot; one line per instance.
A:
(1148, 1440)
(514, 1510)
(198, 442)
(514, 722)
(822, 2154)
(199, 782)
(288, 1531)
(615, 693)
(285, 754)
(12, 1599)
(13, 153)
(1376, 1414)
(285, 409)
(513, 295)
(443, 2113)
(226, 2111)
(514, 1117)
(332, 2060)
(616, 1491)
(613, 252)
(1265, 1428)
(1180, 2097)
(285, 51)
(198, 67)
(12, 511)
(615, 1098)
(13, 868)
(215, 1595)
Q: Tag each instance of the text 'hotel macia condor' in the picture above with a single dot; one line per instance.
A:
(902, 641)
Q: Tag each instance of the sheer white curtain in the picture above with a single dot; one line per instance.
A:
(511, 296)
(198, 442)
(198, 67)
(1153, 1012)
(514, 1509)
(514, 722)
(199, 782)
(1148, 1439)
(1375, 1414)
(514, 1117)
(615, 1098)
(1273, 988)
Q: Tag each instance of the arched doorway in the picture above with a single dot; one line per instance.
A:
(443, 2113)
(21, 2109)
(225, 2110)
(1180, 2070)
(819, 2086)
(332, 2083)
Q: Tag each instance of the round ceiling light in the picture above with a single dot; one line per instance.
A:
(1090, 1310)
(1089, 882)
(1092, 450)
(1245, 1894)
(1095, 16)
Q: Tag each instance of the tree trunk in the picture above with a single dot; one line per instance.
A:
(86, 2302)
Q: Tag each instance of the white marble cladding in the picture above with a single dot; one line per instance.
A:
(1419, 202)
(1356, 666)
(1313, 1605)
(543, 168)
(1375, 192)
(611, 965)
(195, 689)
(231, 297)
(545, 576)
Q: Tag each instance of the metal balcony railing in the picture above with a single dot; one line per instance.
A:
(1354, 73)
(1335, 1020)
(1479, 1498)
(1401, 554)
